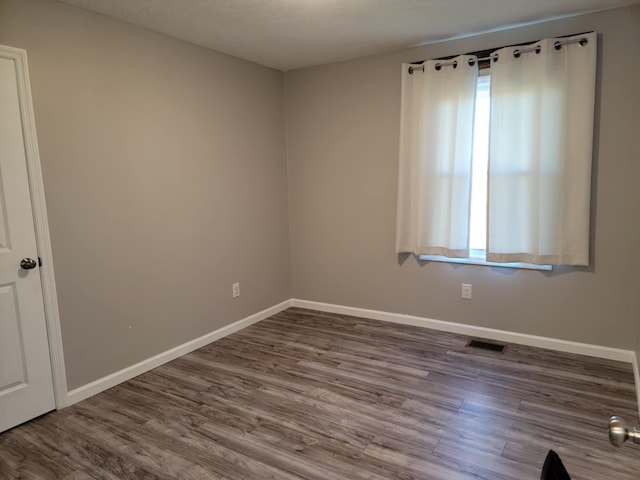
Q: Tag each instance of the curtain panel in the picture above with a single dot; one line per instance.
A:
(436, 146)
(540, 152)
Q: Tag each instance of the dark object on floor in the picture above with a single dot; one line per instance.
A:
(553, 469)
(495, 347)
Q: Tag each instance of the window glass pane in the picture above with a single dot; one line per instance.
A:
(478, 226)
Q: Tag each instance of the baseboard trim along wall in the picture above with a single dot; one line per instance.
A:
(104, 383)
(475, 331)
(636, 378)
(139, 368)
(567, 346)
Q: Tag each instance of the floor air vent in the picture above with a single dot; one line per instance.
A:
(494, 347)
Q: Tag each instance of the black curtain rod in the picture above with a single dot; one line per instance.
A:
(486, 59)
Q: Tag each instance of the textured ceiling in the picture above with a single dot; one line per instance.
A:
(289, 34)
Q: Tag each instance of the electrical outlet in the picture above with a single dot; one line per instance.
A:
(236, 290)
(466, 291)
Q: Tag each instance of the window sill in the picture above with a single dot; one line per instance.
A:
(482, 261)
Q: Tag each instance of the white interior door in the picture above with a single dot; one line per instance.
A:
(26, 387)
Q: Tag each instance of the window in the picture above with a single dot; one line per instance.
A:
(479, 169)
(480, 166)
(496, 168)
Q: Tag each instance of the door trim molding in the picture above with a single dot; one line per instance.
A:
(38, 205)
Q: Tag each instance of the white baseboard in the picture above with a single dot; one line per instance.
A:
(104, 383)
(128, 373)
(636, 378)
(475, 331)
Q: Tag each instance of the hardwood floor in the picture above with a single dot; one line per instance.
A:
(310, 395)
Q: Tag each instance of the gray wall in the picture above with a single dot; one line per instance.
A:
(342, 140)
(165, 175)
(166, 180)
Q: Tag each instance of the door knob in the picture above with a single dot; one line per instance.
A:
(28, 263)
(620, 433)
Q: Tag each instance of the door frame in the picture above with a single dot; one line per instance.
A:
(41, 223)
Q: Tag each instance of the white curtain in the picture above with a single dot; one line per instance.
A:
(542, 105)
(436, 145)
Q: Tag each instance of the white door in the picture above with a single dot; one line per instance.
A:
(26, 387)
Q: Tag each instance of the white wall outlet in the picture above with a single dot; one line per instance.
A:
(236, 290)
(466, 291)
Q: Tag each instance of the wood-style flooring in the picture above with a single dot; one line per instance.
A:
(310, 395)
